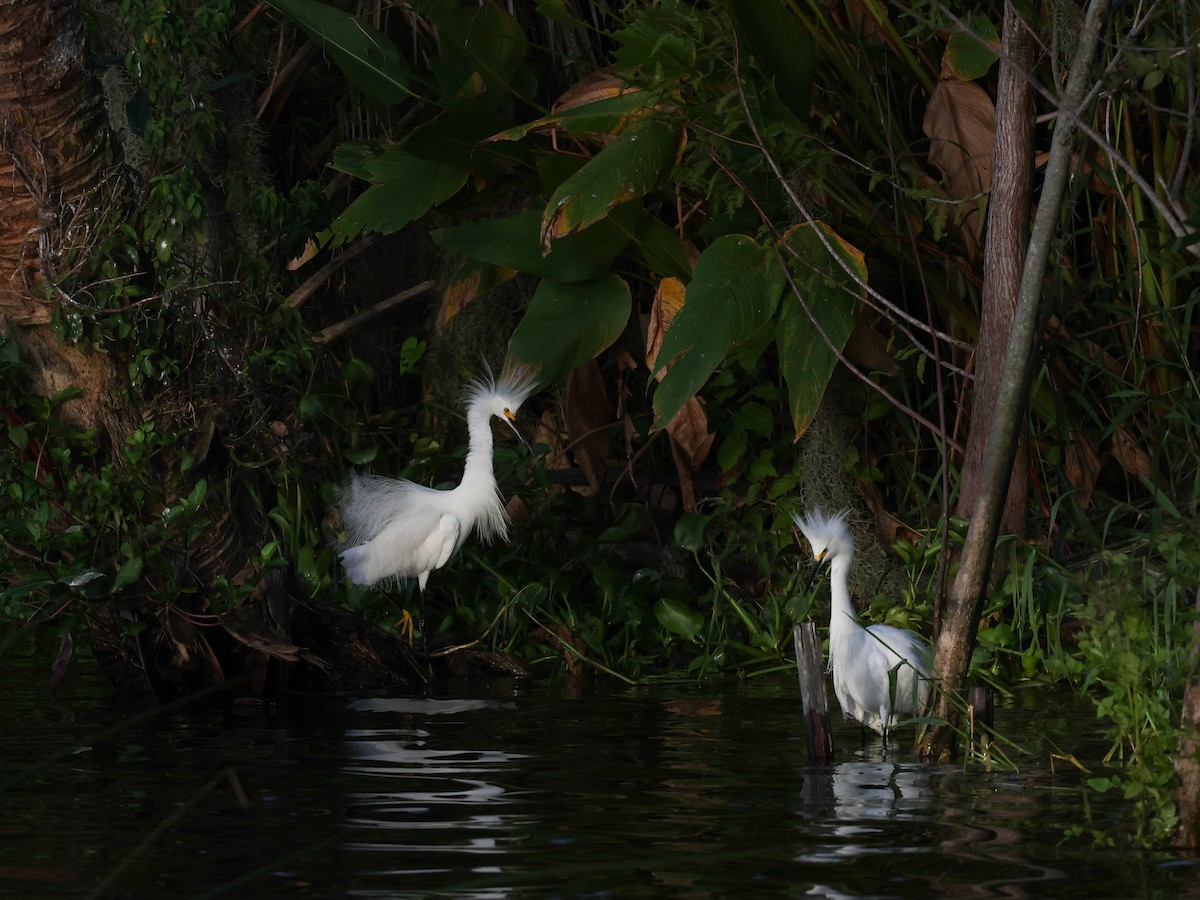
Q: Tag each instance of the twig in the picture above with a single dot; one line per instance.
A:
(347, 326)
(301, 294)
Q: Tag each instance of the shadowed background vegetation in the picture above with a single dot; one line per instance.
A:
(744, 246)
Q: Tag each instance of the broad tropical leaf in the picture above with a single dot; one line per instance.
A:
(409, 187)
(367, 57)
(782, 47)
(627, 169)
(568, 324)
(733, 293)
(830, 294)
(515, 242)
(482, 49)
(469, 281)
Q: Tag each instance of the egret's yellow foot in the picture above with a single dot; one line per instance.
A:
(405, 625)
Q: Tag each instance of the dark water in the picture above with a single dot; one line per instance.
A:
(511, 789)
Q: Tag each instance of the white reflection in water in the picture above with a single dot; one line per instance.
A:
(860, 800)
(426, 790)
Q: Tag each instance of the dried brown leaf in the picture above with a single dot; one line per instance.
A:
(1082, 465)
(1133, 459)
(960, 122)
(602, 85)
(589, 415)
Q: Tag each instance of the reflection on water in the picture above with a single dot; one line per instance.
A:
(508, 789)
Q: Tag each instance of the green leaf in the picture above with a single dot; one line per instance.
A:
(732, 449)
(662, 250)
(482, 46)
(734, 292)
(689, 531)
(662, 55)
(130, 571)
(806, 359)
(609, 115)
(515, 242)
(367, 57)
(461, 140)
(967, 57)
(627, 169)
(678, 618)
(569, 323)
(782, 48)
(408, 188)
(354, 158)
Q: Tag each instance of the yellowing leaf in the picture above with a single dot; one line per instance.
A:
(668, 300)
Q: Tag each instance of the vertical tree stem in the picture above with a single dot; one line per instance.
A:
(960, 625)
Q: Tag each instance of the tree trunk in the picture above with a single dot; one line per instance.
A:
(54, 155)
(53, 152)
(1004, 258)
(965, 601)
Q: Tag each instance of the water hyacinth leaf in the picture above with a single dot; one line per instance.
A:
(366, 56)
(689, 531)
(678, 618)
(569, 323)
(515, 242)
(627, 169)
(733, 293)
(412, 187)
(805, 357)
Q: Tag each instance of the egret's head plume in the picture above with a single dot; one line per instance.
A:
(828, 534)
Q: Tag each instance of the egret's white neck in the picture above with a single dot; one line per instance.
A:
(842, 617)
(478, 466)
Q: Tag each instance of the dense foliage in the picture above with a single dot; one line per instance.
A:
(712, 227)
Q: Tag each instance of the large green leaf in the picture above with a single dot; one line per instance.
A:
(515, 242)
(568, 324)
(628, 168)
(781, 46)
(733, 293)
(661, 249)
(407, 188)
(806, 358)
(482, 47)
(659, 54)
(367, 57)
(966, 57)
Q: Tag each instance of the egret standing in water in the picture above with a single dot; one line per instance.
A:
(880, 673)
(399, 529)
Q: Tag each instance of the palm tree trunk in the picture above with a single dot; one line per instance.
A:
(53, 153)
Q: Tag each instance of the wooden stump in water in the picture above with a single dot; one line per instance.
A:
(811, 669)
(981, 712)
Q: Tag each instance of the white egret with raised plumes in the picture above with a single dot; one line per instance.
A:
(398, 529)
(880, 672)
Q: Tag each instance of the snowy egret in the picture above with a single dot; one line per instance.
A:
(399, 529)
(879, 673)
